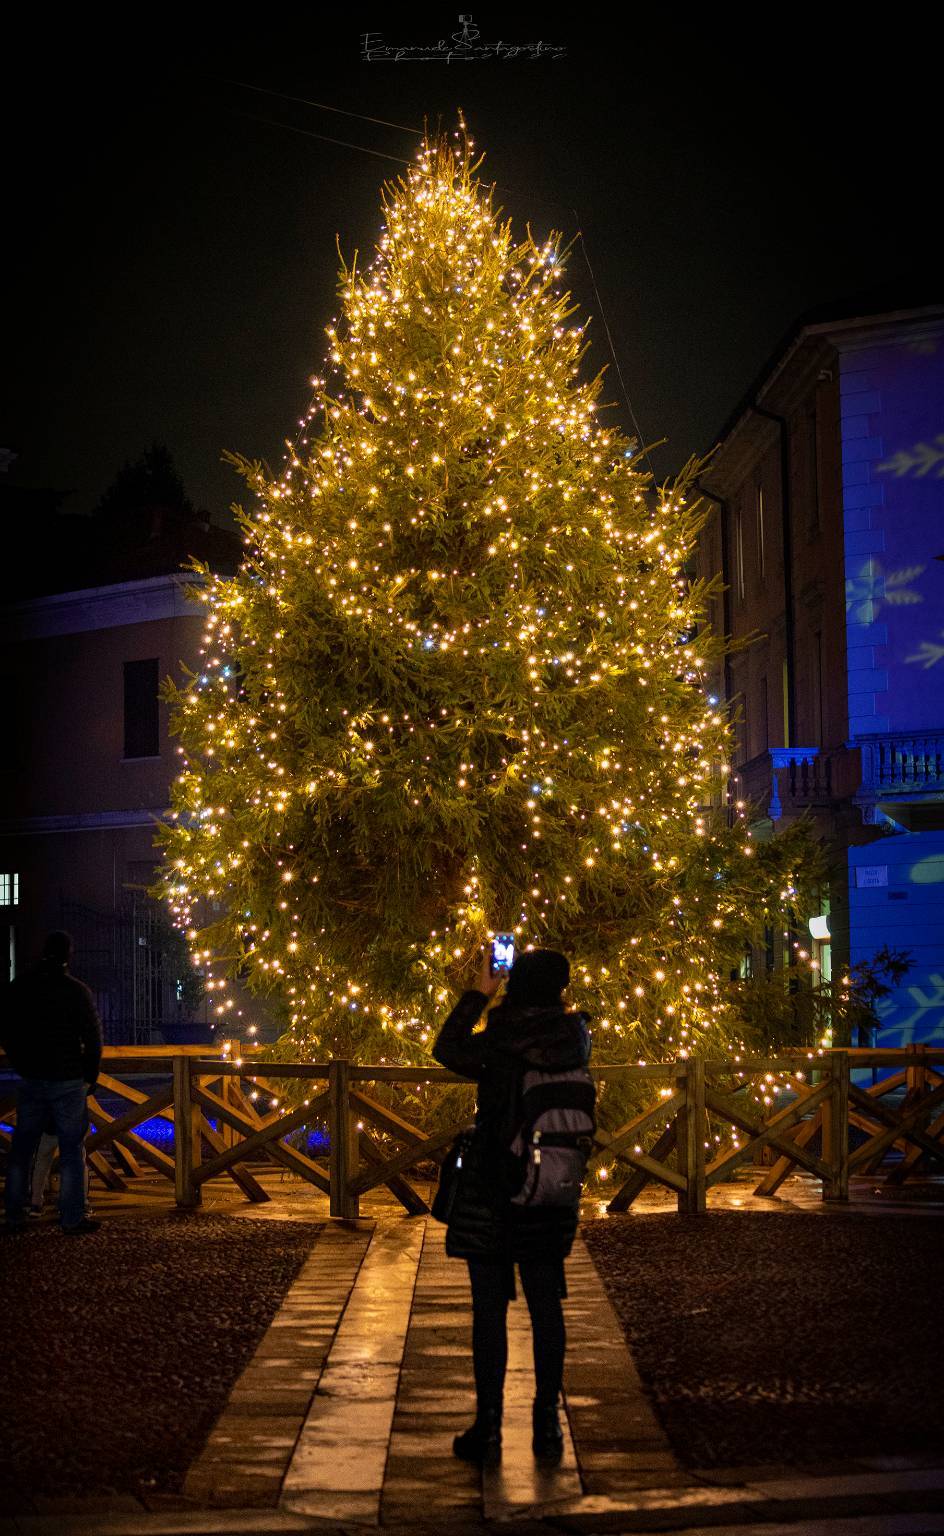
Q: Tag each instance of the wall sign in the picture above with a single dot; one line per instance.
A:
(871, 875)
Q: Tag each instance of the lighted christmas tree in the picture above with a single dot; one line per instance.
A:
(453, 688)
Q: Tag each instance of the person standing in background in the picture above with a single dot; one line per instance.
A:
(50, 1030)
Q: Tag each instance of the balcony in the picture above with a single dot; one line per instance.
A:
(902, 779)
(892, 777)
(785, 778)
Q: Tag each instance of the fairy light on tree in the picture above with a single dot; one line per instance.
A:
(450, 688)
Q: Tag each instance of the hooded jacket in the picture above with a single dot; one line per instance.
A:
(484, 1223)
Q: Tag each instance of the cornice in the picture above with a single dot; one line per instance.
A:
(93, 608)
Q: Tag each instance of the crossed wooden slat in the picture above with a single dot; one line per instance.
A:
(763, 1132)
(646, 1165)
(904, 1125)
(266, 1138)
(759, 1132)
(896, 1128)
(118, 1132)
(421, 1147)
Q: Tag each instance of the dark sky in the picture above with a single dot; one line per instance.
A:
(178, 258)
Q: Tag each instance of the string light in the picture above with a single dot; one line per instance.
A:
(424, 701)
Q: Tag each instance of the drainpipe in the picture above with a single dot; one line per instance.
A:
(789, 643)
(725, 576)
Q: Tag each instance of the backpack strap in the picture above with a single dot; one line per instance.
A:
(580, 1140)
(568, 1094)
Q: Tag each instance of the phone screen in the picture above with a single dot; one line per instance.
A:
(503, 953)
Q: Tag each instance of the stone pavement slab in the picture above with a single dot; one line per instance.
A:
(337, 1469)
(246, 1457)
(435, 1400)
(619, 1441)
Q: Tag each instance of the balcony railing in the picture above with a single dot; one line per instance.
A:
(874, 773)
(784, 777)
(902, 764)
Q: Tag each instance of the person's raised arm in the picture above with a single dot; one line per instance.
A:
(457, 1047)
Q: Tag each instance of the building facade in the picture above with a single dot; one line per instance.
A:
(86, 779)
(827, 527)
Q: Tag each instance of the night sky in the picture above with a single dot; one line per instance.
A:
(178, 257)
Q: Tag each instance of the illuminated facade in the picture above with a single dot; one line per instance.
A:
(828, 488)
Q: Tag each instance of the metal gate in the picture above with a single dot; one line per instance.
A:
(125, 957)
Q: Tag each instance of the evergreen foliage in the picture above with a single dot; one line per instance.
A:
(454, 686)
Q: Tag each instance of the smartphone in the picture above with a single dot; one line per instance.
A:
(502, 954)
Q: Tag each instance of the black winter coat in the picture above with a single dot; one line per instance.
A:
(49, 1026)
(484, 1224)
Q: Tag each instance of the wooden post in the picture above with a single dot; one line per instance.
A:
(690, 1135)
(836, 1129)
(343, 1158)
(186, 1136)
(231, 1051)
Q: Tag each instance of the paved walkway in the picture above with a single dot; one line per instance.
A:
(348, 1409)
(344, 1419)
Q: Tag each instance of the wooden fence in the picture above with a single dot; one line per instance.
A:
(704, 1120)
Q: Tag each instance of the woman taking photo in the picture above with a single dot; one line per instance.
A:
(529, 1032)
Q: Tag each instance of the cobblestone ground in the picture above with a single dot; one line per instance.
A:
(791, 1339)
(120, 1348)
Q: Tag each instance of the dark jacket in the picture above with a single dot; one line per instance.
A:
(49, 1026)
(484, 1224)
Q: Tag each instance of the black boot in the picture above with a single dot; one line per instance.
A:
(548, 1442)
(482, 1443)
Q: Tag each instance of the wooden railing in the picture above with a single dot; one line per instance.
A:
(703, 1121)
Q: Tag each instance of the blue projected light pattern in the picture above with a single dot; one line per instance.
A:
(160, 1133)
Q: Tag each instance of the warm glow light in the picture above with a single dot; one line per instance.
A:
(462, 680)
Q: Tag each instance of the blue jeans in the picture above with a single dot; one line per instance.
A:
(42, 1100)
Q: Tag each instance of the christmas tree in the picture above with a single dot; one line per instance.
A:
(454, 687)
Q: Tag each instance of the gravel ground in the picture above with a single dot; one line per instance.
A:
(795, 1339)
(121, 1347)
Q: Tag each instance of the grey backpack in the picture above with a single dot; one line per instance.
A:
(555, 1138)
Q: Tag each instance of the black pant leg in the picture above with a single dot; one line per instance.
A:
(489, 1332)
(542, 1282)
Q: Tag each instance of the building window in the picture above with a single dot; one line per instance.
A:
(739, 552)
(769, 953)
(762, 726)
(9, 890)
(822, 953)
(761, 556)
(142, 718)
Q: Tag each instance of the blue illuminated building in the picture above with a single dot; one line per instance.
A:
(828, 527)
